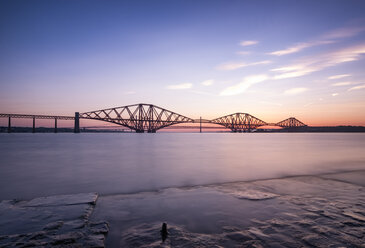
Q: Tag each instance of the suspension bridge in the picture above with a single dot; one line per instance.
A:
(149, 118)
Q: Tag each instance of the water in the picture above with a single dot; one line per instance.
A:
(33, 165)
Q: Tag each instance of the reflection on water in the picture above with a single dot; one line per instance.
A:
(45, 164)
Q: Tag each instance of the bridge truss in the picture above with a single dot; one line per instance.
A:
(239, 122)
(290, 123)
(139, 117)
(150, 118)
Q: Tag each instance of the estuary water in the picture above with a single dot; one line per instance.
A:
(33, 165)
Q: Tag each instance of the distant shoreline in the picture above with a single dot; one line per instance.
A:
(334, 129)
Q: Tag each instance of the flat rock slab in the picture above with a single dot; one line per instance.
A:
(63, 200)
(51, 221)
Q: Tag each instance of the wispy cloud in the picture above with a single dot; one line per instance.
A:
(342, 83)
(183, 86)
(359, 87)
(236, 65)
(208, 82)
(264, 62)
(231, 66)
(244, 85)
(344, 32)
(338, 76)
(298, 47)
(248, 42)
(335, 94)
(328, 38)
(308, 104)
(319, 62)
(295, 91)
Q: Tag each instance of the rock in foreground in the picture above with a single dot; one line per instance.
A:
(55, 221)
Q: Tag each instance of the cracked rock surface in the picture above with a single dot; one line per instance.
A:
(54, 221)
(303, 211)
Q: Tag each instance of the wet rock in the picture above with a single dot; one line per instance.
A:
(61, 200)
(314, 240)
(304, 223)
(239, 236)
(354, 216)
(55, 221)
(253, 195)
(99, 227)
(53, 225)
(257, 232)
(278, 223)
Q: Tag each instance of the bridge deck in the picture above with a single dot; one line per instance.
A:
(26, 116)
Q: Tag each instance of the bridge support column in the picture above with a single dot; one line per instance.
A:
(77, 122)
(9, 125)
(33, 131)
(55, 125)
(200, 124)
(139, 131)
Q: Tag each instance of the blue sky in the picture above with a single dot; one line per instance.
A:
(272, 59)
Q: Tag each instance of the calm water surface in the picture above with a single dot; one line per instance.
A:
(34, 165)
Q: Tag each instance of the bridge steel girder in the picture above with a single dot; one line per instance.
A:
(239, 122)
(290, 123)
(139, 117)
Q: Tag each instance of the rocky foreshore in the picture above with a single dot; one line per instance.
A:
(55, 221)
(303, 211)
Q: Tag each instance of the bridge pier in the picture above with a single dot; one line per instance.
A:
(200, 128)
(139, 131)
(9, 125)
(77, 122)
(33, 130)
(55, 125)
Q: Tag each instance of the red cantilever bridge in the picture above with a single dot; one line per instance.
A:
(150, 118)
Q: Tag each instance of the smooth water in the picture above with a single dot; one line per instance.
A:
(34, 165)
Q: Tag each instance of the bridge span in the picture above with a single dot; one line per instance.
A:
(150, 118)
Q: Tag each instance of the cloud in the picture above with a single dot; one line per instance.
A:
(300, 46)
(183, 86)
(264, 62)
(339, 76)
(335, 94)
(359, 87)
(244, 85)
(237, 65)
(321, 61)
(342, 83)
(344, 32)
(248, 42)
(208, 82)
(295, 91)
(328, 38)
(231, 66)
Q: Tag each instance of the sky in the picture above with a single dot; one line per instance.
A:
(271, 59)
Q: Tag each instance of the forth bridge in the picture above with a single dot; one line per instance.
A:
(150, 118)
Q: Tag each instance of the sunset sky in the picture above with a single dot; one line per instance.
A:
(272, 59)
